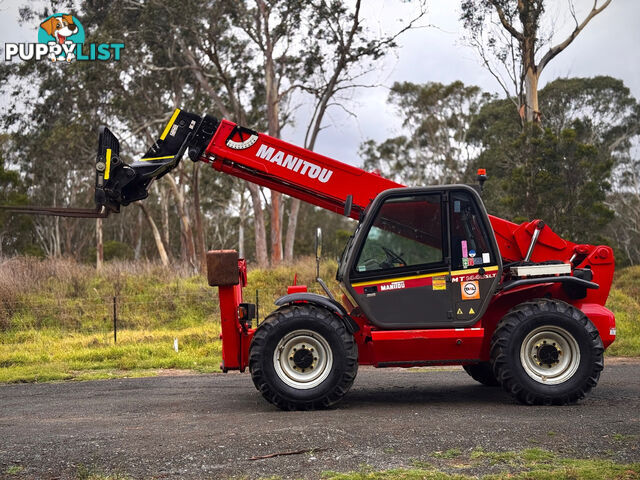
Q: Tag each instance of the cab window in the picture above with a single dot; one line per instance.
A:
(406, 232)
(470, 246)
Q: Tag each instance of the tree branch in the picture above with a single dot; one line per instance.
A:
(553, 51)
(197, 70)
(505, 23)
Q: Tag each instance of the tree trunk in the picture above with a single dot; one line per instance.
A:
(68, 226)
(138, 248)
(197, 214)
(243, 215)
(276, 228)
(315, 124)
(241, 238)
(292, 225)
(99, 245)
(530, 69)
(260, 231)
(532, 110)
(184, 222)
(273, 122)
(164, 204)
(156, 235)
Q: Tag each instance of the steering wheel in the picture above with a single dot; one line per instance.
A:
(394, 257)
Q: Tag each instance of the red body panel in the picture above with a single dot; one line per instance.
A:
(398, 348)
(295, 171)
(327, 183)
(235, 338)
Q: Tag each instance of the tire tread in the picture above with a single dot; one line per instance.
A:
(257, 351)
(502, 338)
(482, 373)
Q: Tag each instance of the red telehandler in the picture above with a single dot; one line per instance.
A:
(428, 278)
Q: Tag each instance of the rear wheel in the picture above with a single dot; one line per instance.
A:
(547, 352)
(302, 357)
(483, 373)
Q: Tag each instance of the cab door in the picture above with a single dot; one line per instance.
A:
(400, 267)
(475, 260)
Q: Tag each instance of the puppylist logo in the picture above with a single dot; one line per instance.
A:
(61, 38)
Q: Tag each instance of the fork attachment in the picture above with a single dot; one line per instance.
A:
(119, 183)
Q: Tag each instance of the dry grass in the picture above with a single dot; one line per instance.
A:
(56, 316)
(24, 275)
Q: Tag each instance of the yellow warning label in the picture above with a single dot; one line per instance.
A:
(472, 311)
(459, 312)
(439, 283)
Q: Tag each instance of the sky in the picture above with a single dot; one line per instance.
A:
(609, 45)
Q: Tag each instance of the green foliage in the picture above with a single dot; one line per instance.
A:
(114, 250)
(436, 119)
(628, 281)
(563, 173)
(336, 230)
(14, 469)
(84, 472)
(601, 107)
(624, 230)
(48, 354)
(14, 229)
(553, 177)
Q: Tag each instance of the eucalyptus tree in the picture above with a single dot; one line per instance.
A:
(516, 44)
(244, 60)
(433, 146)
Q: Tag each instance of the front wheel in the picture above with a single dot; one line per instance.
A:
(302, 357)
(547, 352)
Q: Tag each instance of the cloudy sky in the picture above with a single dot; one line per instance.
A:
(610, 45)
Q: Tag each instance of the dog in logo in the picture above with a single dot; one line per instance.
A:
(60, 28)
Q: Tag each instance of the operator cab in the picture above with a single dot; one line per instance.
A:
(422, 258)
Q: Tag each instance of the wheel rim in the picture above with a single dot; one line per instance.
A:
(550, 355)
(303, 359)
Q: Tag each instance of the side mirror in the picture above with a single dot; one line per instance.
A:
(318, 257)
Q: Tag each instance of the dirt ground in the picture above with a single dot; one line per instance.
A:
(210, 426)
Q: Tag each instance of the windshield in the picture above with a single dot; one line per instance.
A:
(407, 231)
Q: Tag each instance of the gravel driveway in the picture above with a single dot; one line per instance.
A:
(210, 426)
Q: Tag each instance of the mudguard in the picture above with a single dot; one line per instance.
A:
(323, 302)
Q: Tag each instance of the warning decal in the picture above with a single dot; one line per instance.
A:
(439, 283)
(470, 290)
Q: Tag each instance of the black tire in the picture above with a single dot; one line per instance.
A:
(546, 352)
(287, 379)
(482, 372)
